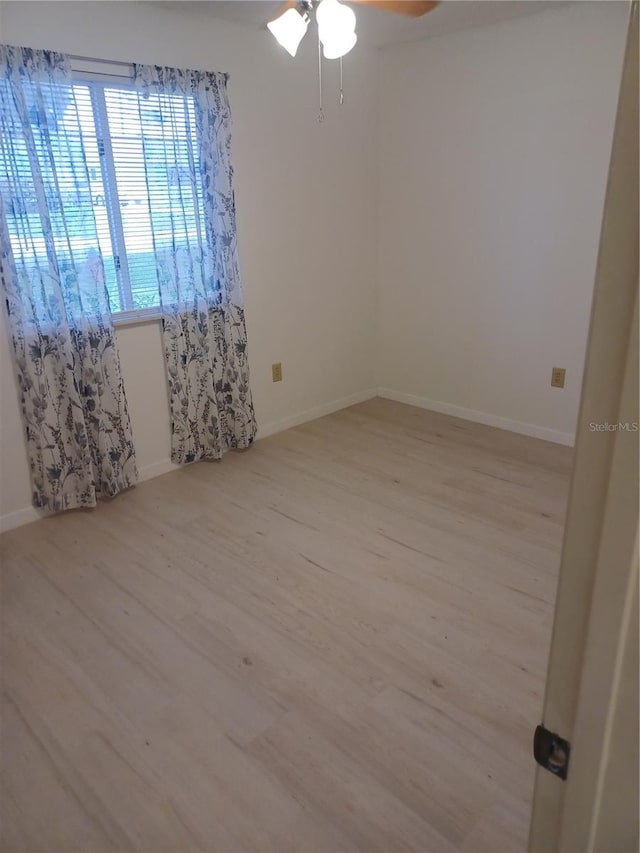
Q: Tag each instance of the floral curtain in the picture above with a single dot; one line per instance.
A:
(73, 402)
(194, 235)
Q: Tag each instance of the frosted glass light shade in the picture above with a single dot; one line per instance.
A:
(338, 47)
(336, 28)
(289, 29)
(334, 18)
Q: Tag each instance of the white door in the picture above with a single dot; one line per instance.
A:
(591, 695)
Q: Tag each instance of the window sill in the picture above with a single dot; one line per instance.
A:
(136, 318)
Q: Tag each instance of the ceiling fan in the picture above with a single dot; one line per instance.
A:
(336, 22)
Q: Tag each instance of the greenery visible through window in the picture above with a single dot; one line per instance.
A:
(139, 151)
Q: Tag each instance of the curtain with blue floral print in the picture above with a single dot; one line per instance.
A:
(78, 434)
(186, 130)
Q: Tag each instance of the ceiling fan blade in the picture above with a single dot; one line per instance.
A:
(412, 8)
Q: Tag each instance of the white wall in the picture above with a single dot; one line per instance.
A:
(494, 149)
(306, 218)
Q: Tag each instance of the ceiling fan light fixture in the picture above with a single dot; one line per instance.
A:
(338, 47)
(333, 16)
(289, 29)
(336, 28)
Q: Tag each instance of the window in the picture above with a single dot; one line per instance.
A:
(120, 131)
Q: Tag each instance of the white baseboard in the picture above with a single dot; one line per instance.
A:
(156, 469)
(29, 513)
(19, 517)
(532, 430)
(316, 412)
(164, 466)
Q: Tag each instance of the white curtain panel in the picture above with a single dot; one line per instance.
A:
(186, 124)
(74, 408)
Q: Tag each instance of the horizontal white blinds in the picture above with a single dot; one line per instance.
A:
(140, 156)
(155, 160)
(61, 120)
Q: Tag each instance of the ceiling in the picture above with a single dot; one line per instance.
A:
(375, 27)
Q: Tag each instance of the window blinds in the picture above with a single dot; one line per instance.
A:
(140, 153)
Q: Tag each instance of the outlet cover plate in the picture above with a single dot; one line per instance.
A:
(557, 377)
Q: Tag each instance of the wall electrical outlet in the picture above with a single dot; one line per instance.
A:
(557, 377)
(276, 372)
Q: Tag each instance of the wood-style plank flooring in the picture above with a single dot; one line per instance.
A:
(335, 641)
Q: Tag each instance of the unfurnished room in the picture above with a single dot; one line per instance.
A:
(319, 426)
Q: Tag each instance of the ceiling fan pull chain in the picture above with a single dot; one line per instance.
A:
(341, 89)
(321, 111)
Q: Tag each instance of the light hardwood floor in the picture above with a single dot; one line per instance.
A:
(335, 641)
